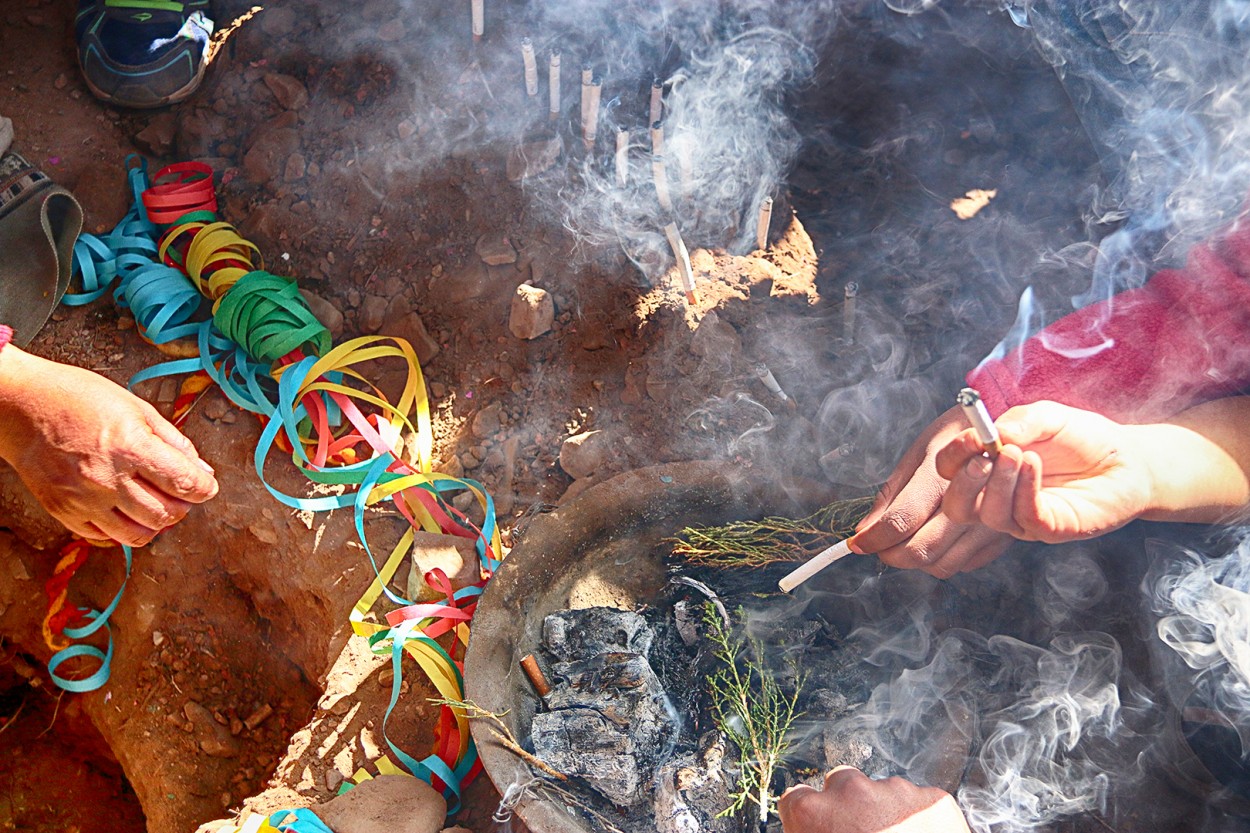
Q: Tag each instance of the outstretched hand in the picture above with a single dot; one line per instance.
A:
(851, 802)
(99, 459)
(906, 527)
(1063, 474)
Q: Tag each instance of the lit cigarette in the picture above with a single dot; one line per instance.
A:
(766, 220)
(660, 174)
(590, 128)
(849, 294)
(814, 565)
(974, 409)
(531, 66)
(657, 138)
(535, 675)
(553, 84)
(657, 101)
(588, 75)
(770, 381)
(622, 156)
(683, 262)
(479, 19)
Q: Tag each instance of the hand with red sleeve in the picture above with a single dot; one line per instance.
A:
(1146, 354)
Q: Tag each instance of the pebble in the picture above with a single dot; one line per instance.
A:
(495, 249)
(287, 89)
(532, 313)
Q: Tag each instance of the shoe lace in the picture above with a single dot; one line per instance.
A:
(153, 5)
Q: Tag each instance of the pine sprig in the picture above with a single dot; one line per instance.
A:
(749, 706)
(771, 540)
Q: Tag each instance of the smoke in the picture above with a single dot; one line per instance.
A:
(1204, 609)
(1161, 89)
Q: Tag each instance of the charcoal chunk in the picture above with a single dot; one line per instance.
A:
(572, 635)
(692, 790)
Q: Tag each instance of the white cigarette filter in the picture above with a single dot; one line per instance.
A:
(622, 156)
(770, 381)
(479, 18)
(553, 84)
(659, 173)
(531, 66)
(657, 138)
(590, 127)
(814, 565)
(849, 293)
(974, 410)
(682, 256)
(657, 102)
(765, 221)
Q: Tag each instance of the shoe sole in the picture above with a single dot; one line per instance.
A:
(173, 98)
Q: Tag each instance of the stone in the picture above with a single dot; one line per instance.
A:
(296, 166)
(533, 312)
(488, 421)
(392, 31)
(587, 453)
(532, 158)
(386, 804)
(265, 160)
(412, 329)
(455, 556)
(199, 131)
(466, 284)
(372, 313)
(326, 312)
(157, 138)
(581, 634)
(843, 748)
(287, 89)
(495, 249)
(214, 739)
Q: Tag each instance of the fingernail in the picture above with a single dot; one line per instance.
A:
(978, 468)
(199, 462)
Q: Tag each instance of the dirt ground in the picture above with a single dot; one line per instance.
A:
(333, 155)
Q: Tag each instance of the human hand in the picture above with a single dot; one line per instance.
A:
(1063, 474)
(851, 802)
(906, 527)
(99, 459)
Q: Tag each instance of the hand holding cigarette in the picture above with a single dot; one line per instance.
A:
(1062, 474)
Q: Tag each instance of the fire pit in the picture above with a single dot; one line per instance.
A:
(600, 551)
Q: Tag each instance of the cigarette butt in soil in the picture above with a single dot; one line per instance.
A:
(974, 409)
(531, 66)
(657, 102)
(814, 565)
(535, 674)
(588, 75)
(479, 19)
(765, 221)
(657, 138)
(849, 293)
(553, 85)
(622, 156)
(682, 255)
(770, 381)
(659, 174)
(590, 128)
(258, 717)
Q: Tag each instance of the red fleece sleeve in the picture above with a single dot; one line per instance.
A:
(1145, 354)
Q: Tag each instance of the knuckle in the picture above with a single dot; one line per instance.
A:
(897, 521)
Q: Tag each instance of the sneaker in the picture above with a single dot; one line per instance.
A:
(142, 53)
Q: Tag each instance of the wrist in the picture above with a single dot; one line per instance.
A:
(18, 378)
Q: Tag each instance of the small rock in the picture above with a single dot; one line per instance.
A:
(406, 130)
(495, 249)
(533, 312)
(295, 168)
(266, 158)
(715, 338)
(372, 313)
(287, 89)
(215, 408)
(386, 804)
(214, 738)
(582, 455)
(487, 422)
(413, 330)
(391, 31)
(327, 313)
(158, 137)
(278, 21)
(532, 158)
(61, 81)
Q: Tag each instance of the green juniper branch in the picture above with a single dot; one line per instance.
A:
(771, 540)
(752, 710)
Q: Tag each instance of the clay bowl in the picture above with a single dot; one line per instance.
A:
(599, 550)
